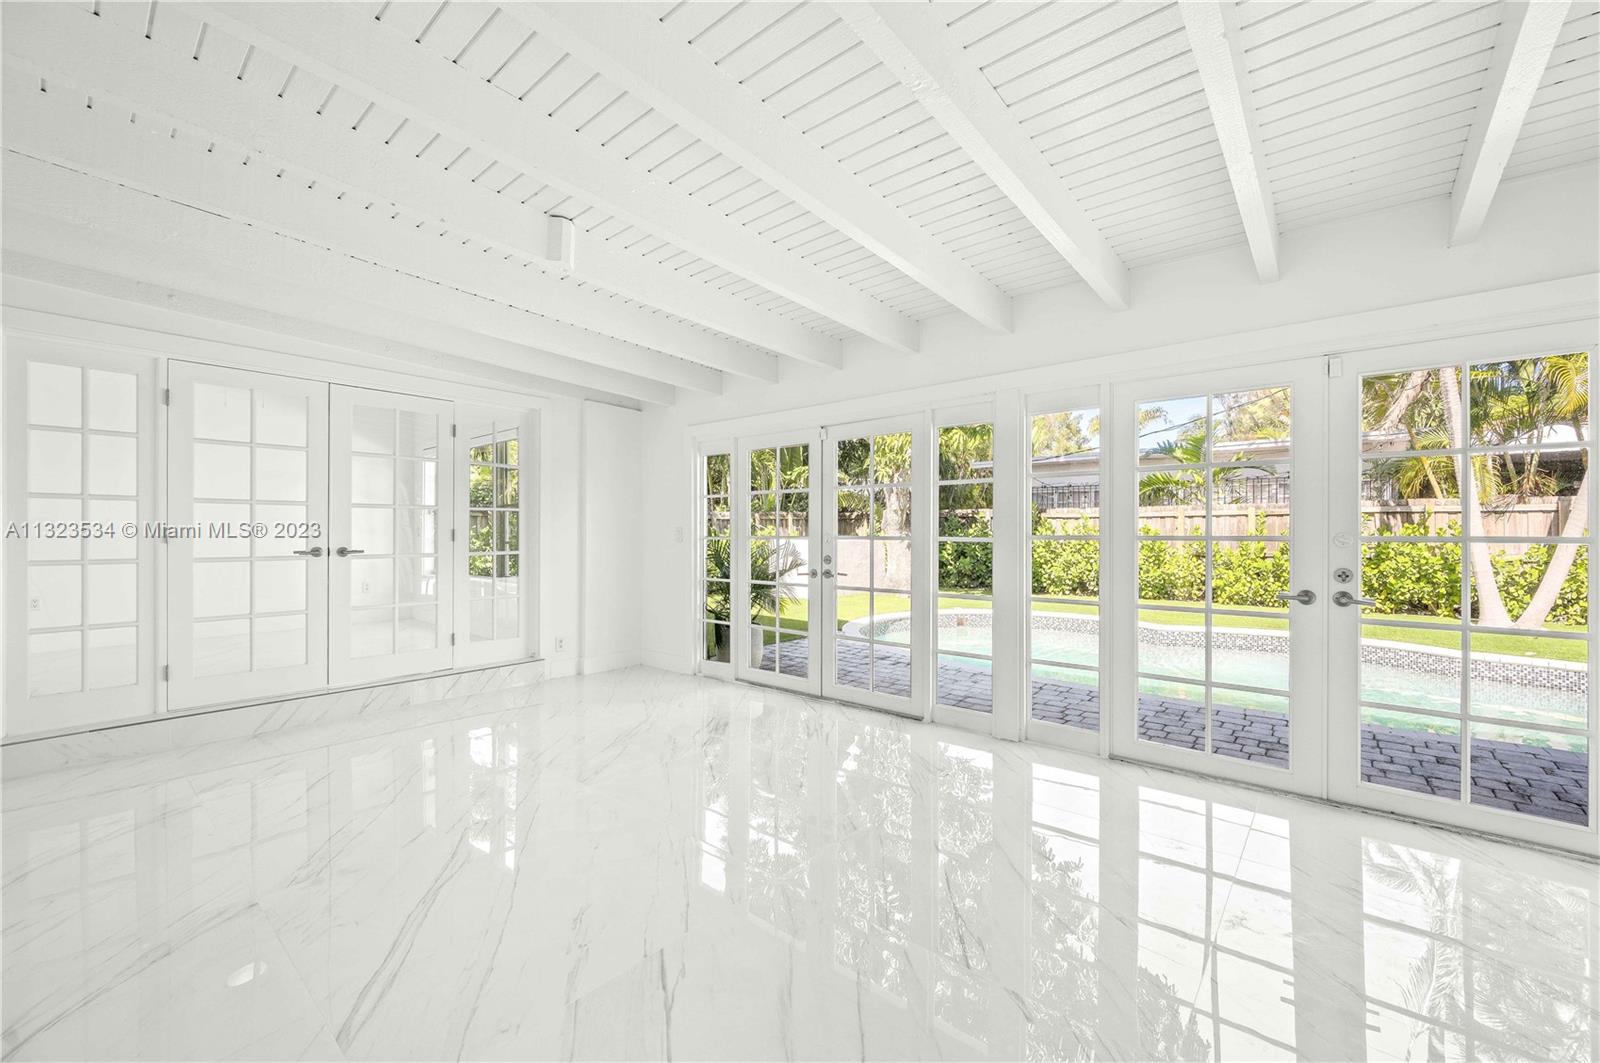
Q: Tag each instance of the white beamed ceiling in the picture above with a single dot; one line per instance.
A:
(1354, 106)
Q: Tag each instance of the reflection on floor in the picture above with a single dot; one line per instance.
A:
(641, 864)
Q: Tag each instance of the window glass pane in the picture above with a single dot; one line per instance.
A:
(221, 413)
(1172, 432)
(717, 474)
(278, 641)
(222, 588)
(113, 465)
(1404, 411)
(113, 594)
(113, 401)
(1529, 401)
(372, 429)
(221, 471)
(55, 395)
(43, 543)
(55, 596)
(55, 662)
(281, 475)
(966, 452)
(55, 462)
(113, 659)
(280, 418)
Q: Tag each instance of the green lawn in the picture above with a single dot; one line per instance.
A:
(795, 618)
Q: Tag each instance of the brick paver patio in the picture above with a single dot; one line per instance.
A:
(1552, 783)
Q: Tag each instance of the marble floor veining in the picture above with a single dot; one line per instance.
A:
(645, 865)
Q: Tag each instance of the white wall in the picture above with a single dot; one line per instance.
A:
(614, 523)
(1347, 285)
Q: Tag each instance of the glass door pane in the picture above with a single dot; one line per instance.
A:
(1225, 542)
(1474, 640)
(774, 608)
(248, 471)
(1064, 614)
(870, 566)
(390, 606)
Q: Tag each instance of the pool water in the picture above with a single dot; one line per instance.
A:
(1386, 683)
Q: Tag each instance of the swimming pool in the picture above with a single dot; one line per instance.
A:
(1546, 693)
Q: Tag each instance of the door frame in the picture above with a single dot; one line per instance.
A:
(739, 616)
(344, 670)
(1306, 773)
(1343, 741)
(918, 704)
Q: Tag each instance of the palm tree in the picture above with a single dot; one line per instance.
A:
(1513, 402)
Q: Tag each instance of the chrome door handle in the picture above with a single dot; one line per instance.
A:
(1305, 597)
(315, 551)
(346, 551)
(1346, 598)
(827, 573)
(811, 573)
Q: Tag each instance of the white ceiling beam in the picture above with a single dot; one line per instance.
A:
(1214, 40)
(628, 45)
(65, 43)
(35, 284)
(343, 44)
(912, 40)
(200, 257)
(1528, 34)
(55, 127)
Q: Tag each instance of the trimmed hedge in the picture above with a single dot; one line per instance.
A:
(1403, 575)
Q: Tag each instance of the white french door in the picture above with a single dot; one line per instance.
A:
(389, 526)
(1221, 574)
(775, 588)
(874, 619)
(311, 531)
(1462, 650)
(248, 499)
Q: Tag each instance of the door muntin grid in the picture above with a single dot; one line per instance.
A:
(84, 471)
(1064, 562)
(1213, 491)
(964, 628)
(1475, 487)
(714, 609)
(778, 608)
(251, 466)
(494, 529)
(872, 562)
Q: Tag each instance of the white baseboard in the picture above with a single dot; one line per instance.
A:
(667, 662)
(608, 662)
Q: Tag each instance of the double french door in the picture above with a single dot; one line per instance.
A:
(1363, 577)
(829, 600)
(306, 535)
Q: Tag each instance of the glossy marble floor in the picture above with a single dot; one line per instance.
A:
(645, 865)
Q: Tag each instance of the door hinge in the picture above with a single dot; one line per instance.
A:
(166, 396)
(452, 638)
(452, 535)
(452, 431)
(166, 673)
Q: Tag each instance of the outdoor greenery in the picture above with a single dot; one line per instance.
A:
(1424, 578)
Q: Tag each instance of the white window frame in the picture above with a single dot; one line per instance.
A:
(704, 449)
(470, 654)
(50, 713)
